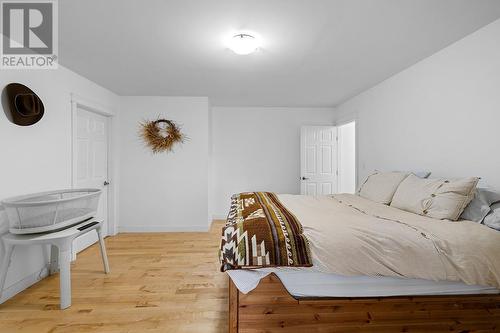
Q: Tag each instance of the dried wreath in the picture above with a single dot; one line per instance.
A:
(161, 135)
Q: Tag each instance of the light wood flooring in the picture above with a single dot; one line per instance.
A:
(159, 282)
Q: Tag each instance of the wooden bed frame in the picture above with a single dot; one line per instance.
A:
(270, 308)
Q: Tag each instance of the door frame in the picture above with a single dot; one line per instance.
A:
(344, 121)
(91, 106)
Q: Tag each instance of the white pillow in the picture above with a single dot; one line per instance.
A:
(380, 186)
(436, 198)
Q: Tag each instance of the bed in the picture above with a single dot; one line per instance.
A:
(393, 271)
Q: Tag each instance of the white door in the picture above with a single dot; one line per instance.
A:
(318, 160)
(91, 165)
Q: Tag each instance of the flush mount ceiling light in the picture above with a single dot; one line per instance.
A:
(243, 43)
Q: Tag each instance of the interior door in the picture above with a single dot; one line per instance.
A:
(318, 160)
(91, 165)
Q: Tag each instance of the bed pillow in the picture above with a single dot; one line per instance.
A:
(492, 220)
(421, 174)
(479, 207)
(443, 199)
(380, 186)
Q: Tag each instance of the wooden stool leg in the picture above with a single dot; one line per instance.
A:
(102, 246)
(5, 265)
(65, 277)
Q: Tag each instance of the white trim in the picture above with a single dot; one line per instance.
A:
(342, 123)
(346, 119)
(23, 284)
(162, 228)
(89, 105)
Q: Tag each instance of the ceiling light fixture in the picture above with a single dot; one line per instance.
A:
(243, 43)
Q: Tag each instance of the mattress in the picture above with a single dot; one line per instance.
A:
(353, 236)
(308, 282)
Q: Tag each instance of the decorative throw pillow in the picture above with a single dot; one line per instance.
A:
(492, 220)
(479, 207)
(436, 198)
(380, 186)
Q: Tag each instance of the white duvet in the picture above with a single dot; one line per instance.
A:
(350, 235)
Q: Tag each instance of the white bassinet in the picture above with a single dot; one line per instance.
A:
(49, 211)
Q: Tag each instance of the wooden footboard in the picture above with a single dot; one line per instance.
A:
(270, 308)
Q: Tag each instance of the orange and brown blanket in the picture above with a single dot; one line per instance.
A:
(261, 232)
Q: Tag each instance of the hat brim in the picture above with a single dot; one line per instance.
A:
(16, 116)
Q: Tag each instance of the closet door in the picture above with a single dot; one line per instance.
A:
(318, 160)
(91, 165)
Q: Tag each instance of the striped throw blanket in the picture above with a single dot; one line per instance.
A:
(261, 232)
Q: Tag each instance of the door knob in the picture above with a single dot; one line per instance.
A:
(304, 178)
(106, 183)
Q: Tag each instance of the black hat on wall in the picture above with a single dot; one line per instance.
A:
(23, 106)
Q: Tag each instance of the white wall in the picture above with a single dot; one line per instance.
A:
(38, 158)
(441, 115)
(167, 191)
(258, 149)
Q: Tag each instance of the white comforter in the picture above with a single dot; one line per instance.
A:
(350, 235)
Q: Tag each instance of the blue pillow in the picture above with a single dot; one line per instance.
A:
(421, 174)
(480, 206)
(492, 220)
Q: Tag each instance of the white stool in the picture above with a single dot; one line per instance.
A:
(60, 253)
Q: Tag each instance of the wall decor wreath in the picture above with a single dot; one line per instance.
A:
(161, 135)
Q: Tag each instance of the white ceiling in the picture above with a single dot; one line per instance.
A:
(315, 52)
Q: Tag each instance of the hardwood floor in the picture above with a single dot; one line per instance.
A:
(159, 282)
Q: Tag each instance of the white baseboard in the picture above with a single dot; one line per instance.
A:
(162, 228)
(25, 283)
